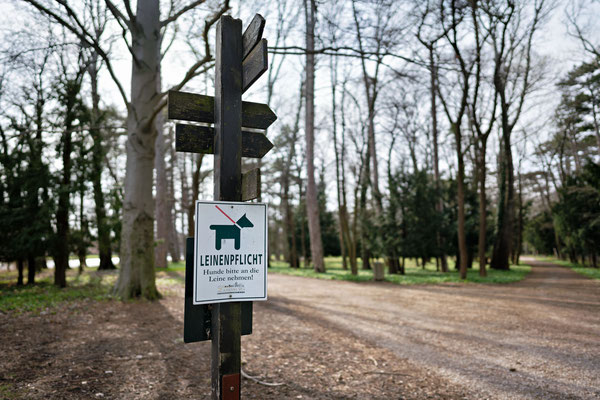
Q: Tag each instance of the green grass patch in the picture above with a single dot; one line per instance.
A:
(7, 392)
(44, 295)
(414, 274)
(593, 273)
(175, 266)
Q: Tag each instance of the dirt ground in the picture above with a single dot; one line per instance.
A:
(539, 338)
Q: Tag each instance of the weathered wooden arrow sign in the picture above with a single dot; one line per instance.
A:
(200, 139)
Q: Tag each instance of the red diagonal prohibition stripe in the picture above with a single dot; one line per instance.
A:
(225, 214)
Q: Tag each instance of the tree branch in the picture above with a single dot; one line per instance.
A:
(85, 37)
(179, 13)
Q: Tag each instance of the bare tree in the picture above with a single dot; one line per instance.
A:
(312, 205)
(478, 113)
(452, 15)
(430, 44)
(142, 34)
(511, 28)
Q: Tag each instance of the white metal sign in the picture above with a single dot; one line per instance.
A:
(230, 252)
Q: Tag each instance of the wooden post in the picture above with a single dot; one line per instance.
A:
(226, 317)
(223, 323)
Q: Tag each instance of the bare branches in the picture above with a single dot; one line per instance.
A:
(199, 67)
(572, 15)
(182, 11)
(340, 51)
(121, 19)
(72, 24)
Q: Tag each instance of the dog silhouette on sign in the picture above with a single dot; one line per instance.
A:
(230, 231)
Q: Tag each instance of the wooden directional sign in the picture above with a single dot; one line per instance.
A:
(200, 139)
(251, 184)
(199, 108)
(254, 65)
(252, 34)
(230, 134)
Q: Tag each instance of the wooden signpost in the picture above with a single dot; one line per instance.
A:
(240, 61)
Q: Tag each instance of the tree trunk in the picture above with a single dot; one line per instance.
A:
(98, 152)
(185, 192)
(71, 89)
(354, 245)
(291, 228)
(20, 271)
(340, 200)
(174, 249)
(393, 265)
(137, 274)
(502, 244)
(349, 236)
(161, 201)
(439, 205)
(460, 181)
(30, 269)
(82, 261)
(481, 247)
(312, 205)
(191, 209)
(518, 245)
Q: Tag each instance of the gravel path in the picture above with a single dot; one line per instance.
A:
(536, 339)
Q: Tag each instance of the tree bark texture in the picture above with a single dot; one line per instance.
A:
(98, 153)
(481, 247)
(137, 275)
(460, 183)
(502, 244)
(20, 272)
(196, 180)
(312, 205)
(173, 236)
(71, 89)
(439, 205)
(30, 269)
(161, 200)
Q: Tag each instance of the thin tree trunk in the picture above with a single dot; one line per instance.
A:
(191, 205)
(20, 271)
(439, 205)
(502, 244)
(305, 255)
(341, 216)
(286, 176)
(173, 236)
(185, 193)
(482, 211)
(520, 220)
(98, 153)
(61, 259)
(348, 236)
(30, 269)
(462, 238)
(354, 245)
(290, 226)
(312, 205)
(161, 200)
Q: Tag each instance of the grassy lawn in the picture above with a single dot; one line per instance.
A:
(94, 285)
(45, 296)
(414, 274)
(593, 273)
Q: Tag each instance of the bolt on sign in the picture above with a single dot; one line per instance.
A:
(230, 262)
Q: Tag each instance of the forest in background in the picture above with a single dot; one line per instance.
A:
(407, 129)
